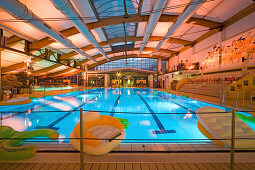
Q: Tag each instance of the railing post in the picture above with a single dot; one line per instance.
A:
(232, 153)
(81, 140)
(243, 99)
(237, 98)
(220, 97)
(251, 101)
(224, 101)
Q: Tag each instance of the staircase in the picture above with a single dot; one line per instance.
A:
(203, 89)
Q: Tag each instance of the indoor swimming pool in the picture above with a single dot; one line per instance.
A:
(153, 116)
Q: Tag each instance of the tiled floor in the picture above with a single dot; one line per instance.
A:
(126, 166)
(136, 147)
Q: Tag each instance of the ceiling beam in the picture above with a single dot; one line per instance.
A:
(11, 41)
(57, 73)
(129, 38)
(122, 57)
(104, 43)
(130, 49)
(38, 72)
(17, 66)
(22, 64)
(119, 20)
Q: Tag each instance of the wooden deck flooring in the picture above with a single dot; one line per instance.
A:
(125, 166)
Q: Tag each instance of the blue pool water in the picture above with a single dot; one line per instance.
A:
(150, 123)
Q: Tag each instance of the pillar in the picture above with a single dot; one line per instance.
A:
(167, 66)
(159, 66)
(1, 34)
(151, 81)
(106, 80)
(0, 72)
(220, 39)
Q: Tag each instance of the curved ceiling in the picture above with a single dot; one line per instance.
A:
(113, 32)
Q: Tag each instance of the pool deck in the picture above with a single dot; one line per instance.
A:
(136, 161)
(211, 99)
(135, 147)
(126, 166)
(39, 94)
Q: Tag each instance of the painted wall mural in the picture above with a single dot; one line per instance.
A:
(240, 50)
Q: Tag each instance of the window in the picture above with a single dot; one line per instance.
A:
(140, 63)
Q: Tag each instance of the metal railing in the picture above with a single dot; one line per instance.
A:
(242, 99)
(233, 137)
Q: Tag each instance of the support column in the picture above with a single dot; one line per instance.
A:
(0, 72)
(151, 80)
(106, 80)
(159, 66)
(86, 67)
(220, 38)
(1, 34)
(167, 66)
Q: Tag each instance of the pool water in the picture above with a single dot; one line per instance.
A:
(151, 116)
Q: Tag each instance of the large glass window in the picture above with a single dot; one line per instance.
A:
(140, 63)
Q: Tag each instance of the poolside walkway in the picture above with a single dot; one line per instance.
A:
(51, 93)
(126, 166)
(214, 100)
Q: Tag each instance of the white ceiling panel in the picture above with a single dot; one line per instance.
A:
(184, 28)
(146, 52)
(175, 6)
(98, 33)
(45, 9)
(161, 28)
(157, 53)
(207, 8)
(141, 29)
(166, 45)
(176, 47)
(227, 9)
(100, 58)
(60, 47)
(194, 33)
(147, 7)
(22, 27)
(9, 57)
(92, 52)
(57, 69)
(107, 48)
(42, 64)
(79, 40)
(84, 9)
(152, 44)
(78, 57)
(90, 62)
(137, 44)
(165, 54)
